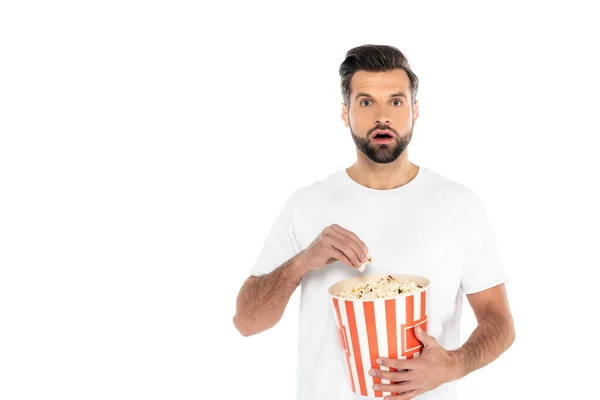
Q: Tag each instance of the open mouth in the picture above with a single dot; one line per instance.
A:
(382, 135)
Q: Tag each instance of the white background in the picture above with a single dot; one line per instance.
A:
(146, 147)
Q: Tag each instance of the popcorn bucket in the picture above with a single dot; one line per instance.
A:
(372, 328)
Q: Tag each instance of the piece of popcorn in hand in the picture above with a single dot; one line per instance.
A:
(363, 266)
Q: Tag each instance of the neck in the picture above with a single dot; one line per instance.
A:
(383, 176)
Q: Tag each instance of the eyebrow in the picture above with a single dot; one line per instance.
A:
(397, 94)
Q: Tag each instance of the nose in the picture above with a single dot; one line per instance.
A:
(382, 117)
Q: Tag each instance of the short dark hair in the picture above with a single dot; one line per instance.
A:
(376, 58)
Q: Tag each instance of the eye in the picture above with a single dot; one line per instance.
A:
(362, 103)
(396, 103)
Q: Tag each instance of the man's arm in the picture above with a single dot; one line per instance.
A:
(436, 365)
(262, 299)
(494, 334)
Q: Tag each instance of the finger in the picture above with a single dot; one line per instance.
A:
(423, 337)
(328, 243)
(400, 387)
(393, 376)
(395, 363)
(362, 248)
(406, 395)
(338, 255)
(347, 245)
(331, 238)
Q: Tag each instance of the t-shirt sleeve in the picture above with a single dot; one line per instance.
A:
(482, 268)
(280, 244)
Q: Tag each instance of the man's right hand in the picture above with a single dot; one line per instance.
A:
(262, 299)
(333, 244)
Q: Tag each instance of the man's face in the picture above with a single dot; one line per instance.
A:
(380, 116)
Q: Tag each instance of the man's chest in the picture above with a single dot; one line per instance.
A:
(427, 240)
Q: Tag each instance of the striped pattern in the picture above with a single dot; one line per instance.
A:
(378, 328)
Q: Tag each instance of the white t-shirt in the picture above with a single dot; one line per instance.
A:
(430, 226)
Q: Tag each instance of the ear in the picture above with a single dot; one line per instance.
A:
(415, 111)
(345, 115)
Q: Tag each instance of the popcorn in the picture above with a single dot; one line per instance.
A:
(363, 266)
(384, 288)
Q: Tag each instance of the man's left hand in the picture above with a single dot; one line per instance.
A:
(434, 367)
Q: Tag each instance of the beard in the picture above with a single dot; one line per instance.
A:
(382, 153)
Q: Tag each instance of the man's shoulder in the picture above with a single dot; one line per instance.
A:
(448, 189)
(317, 190)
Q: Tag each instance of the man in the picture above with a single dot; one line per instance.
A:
(409, 219)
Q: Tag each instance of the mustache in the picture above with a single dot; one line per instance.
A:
(381, 128)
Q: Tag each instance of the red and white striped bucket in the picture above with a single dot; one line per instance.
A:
(378, 328)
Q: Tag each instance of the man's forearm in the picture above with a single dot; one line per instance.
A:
(262, 300)
(493, 335)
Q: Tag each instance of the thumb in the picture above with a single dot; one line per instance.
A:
(424, 337)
